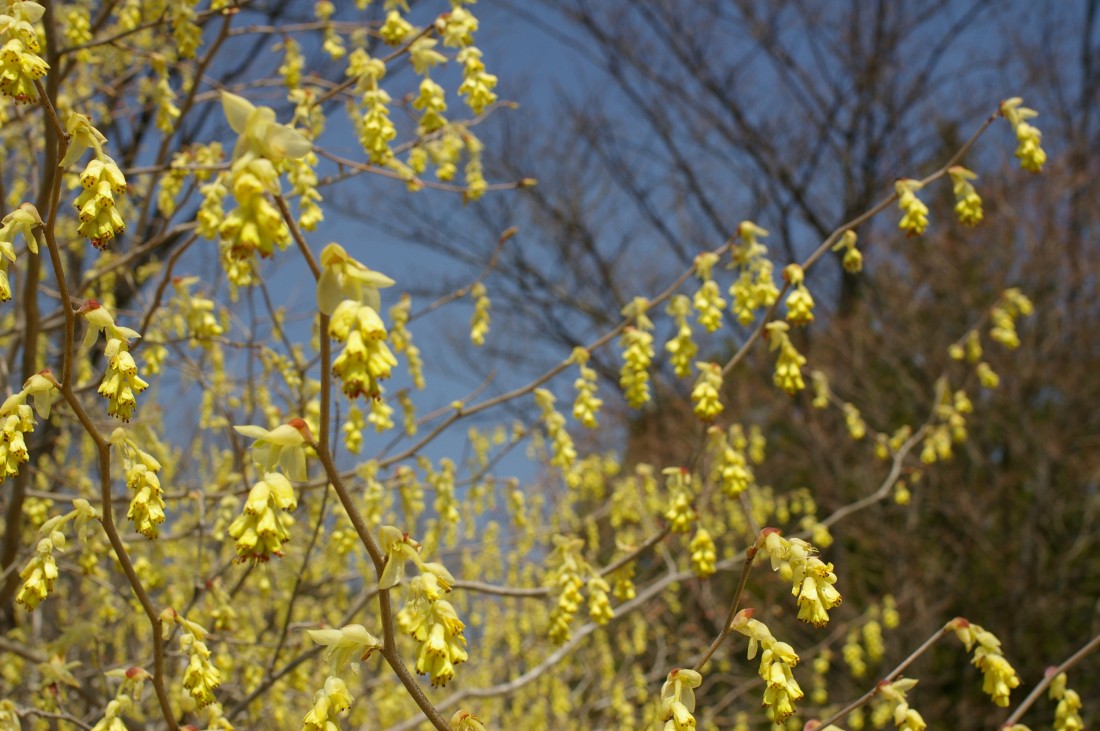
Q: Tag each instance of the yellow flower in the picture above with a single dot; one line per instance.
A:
(344, 278)
(259, 133)
(284, 446)
(915, 220)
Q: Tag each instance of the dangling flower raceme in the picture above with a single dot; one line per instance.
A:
(121, 382)
(677, 703)
(444, 646)
(23, 220)
(1012, 305)
(264, 526)
(366, 359)
(142, 478)
(477, 84)
(396, 29)
(754, 287)
(776, 661)
(681, 348)
(734, 473)
(565, 577)
(564, 453)
(587, 405)
(20, 64)
(812, 580)
(704, 556)
(800, 304)
(1066, 714)
(200, 678)
(852, 261)
(16, 419)
(680, 513)
(41, 572)
(968, 204)
(100, 221)
(1030, 151)
(637, 343)
(706, 395)
(479, 322)
(998, 676)
(915, 220)
(788, 364)
(708, 300)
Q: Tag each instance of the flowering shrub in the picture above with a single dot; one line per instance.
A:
(182, 555)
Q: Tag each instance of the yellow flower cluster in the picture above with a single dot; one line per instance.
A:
(637, 344)
(704, 555)
(401, 338)
(731, 464)
(328, 703)
(365, 359)
(348, 292)
(706, 395)
(40, 573)
(16, 419)
(812, 580)
(788, 364)
(852, 260)
(915, 220)
(121, 382)
(23, 220)
(754, 287)
(800, 304)
(262, 528)
(200, 324)
(968, 204)
(477, 84)
(1067, 715)
(200, 677)
(262, 145)
(1012, 305)
(708, 301)
(431, 620)
(479, 322)
(681, 348)
(565, 576)
(142, 479)
(432, 102)
(100, 221)
(894, 695)
(1029, 151)
(680, 513)
(776, 661)
(587, 405)
(677, 702)
(374, 125)
(20, 64)
(563, 453)
(998, 676)
(396, 29)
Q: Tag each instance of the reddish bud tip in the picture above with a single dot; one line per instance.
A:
(302, 427)
(88, 306)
